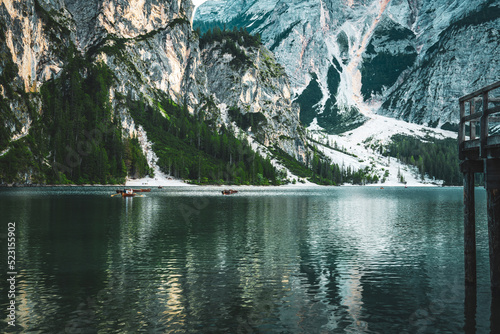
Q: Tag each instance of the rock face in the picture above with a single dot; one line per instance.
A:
(404, 58)
(26, 60)
(151, 49)
(254, 94)
(464, 58)
(29, 42)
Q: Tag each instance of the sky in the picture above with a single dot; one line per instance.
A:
(198, 2)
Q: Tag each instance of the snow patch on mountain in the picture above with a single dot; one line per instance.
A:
(357, 149)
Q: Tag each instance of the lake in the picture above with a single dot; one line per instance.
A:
(265, 260)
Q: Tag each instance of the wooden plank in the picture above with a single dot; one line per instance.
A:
(469, 230)
(472, 124)
(493, 110)
(461, 127)
(473, 130)
(493, 141)
(474, 116)
(492, 99)
(494, 152)
(471, 144)
(472, 155)
(479, 92)
(472, 166)
(484, 127)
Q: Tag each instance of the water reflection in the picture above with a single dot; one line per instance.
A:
(302, 261)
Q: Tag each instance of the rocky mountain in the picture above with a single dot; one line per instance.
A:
(463, 58)
(143, 55)
(253, 92)
(94, 91)
(347, 59)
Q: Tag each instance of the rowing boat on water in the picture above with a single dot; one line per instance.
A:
(119, 191)
(128, 193)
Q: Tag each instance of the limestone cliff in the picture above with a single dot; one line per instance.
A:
(253, 93)
(403, 58)
(152, 51)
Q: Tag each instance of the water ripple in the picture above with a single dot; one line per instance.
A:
(320, 260)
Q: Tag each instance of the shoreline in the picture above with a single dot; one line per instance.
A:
(183, 184)
(165, 181)
(162, 180)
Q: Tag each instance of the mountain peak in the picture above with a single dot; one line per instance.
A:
(379, 44)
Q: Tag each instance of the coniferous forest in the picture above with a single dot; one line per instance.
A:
(436, 158)
(76, 136)
(190, 147)
(240, 36)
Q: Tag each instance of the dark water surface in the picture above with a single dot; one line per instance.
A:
(266, 260)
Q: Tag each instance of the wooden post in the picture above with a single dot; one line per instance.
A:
(469, 229)
(494, 236)
(495, 311)
(473, 123)
(470, 309)
(488, 162)
(484, 127)
(461, 131)
(492, 178)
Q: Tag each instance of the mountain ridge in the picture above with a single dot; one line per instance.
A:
(144, 56)
(309, 37)
(96, 93)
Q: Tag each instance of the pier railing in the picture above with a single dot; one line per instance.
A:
(483, 109)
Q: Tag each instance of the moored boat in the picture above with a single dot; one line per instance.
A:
(128, 193)
(119, 191)
(229, 192)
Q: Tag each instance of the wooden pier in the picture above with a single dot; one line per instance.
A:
(479, 152)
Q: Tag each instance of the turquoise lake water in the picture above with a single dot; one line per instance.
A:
(265, 260)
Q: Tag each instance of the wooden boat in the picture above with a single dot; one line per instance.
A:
(128, 193)
(229, 192)
(141, 190)
(120, 191)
